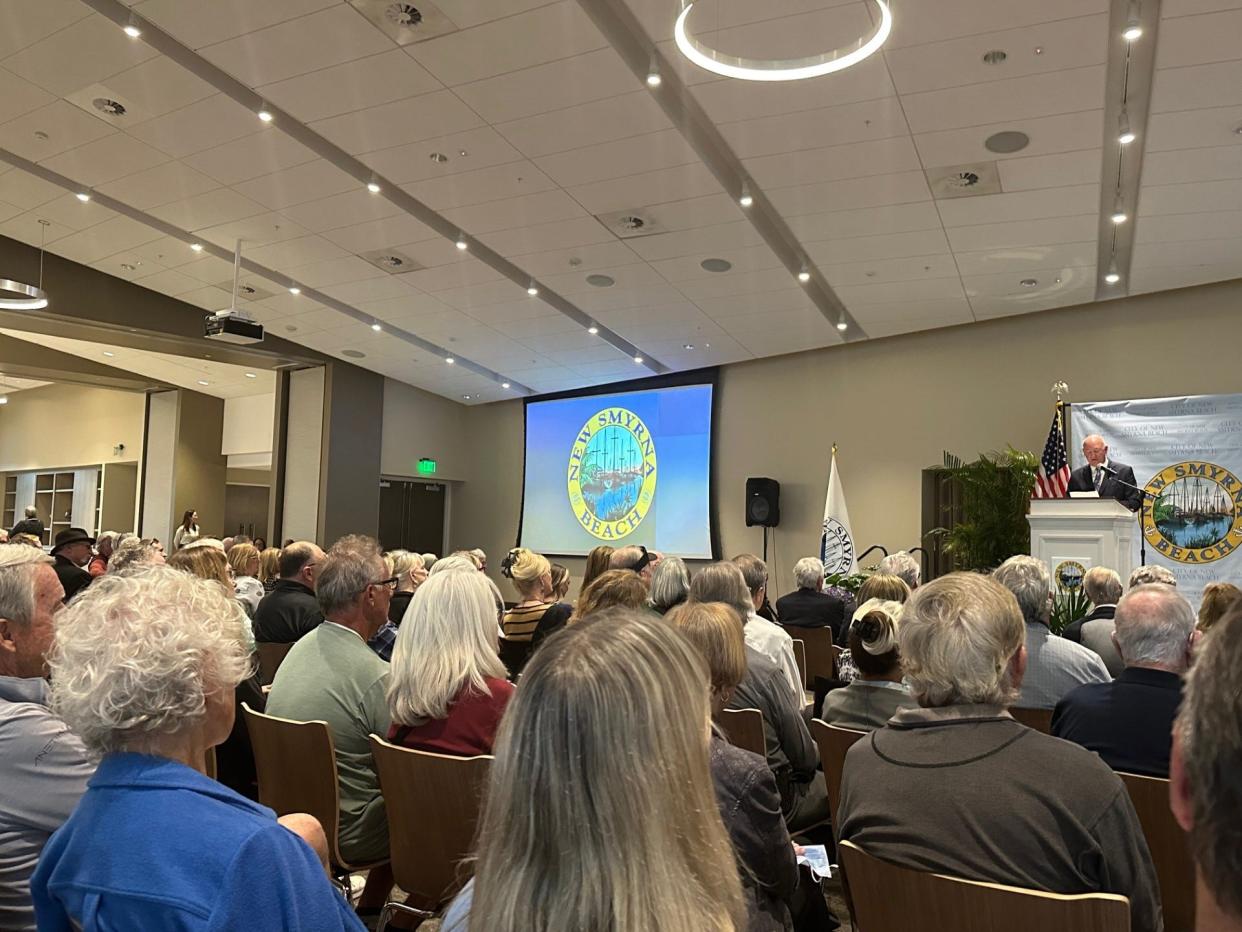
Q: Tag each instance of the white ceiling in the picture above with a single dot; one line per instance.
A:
(10, 384)
(555, 129)
(220, 379)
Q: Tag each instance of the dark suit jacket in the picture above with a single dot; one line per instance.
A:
(807, 608)
(73, 579)
(1128, 722)
(1074, 631)
(1080, 481)
(286, 614)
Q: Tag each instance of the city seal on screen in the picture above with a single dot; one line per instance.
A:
(612, 473)
(1196, 514)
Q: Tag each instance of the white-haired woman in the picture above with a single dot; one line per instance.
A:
(411, 572)
(447, 689)
(670, 584)
(594, 818)
(877, 692)
(143, 671)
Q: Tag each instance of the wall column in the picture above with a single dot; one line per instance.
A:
(183, 467)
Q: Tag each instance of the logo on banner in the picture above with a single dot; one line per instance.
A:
(1196, 516)
(837, 547)
(1069, 574)
(612, 473)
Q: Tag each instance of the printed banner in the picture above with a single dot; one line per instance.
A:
(1186, 452)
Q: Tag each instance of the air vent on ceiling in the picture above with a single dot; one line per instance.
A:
(106, 104)
(392, 261)
(629, 224)
(246, 291)
(109, 106)
(964, 180)
(406, 23)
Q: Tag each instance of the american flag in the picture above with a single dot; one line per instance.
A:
(1053, 477)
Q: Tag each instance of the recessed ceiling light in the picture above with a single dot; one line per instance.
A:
(197, 247)
(994, 57)
(265, 115)
(203, 382)
(109, 353)
(461, 241)
(132, 31)
(83, 196)
(373, 187)
(532, 289)
(1133, 30)
(1238, 129)
(466, 397)
(687, 346)
(377, 327)
(842, 325)
(653, 78)
(804, 276)
(1029, 282)
(450, 360)
(1113, 275)
(1039, 50)
(4, 399)
(1007, 141)
(462, 153)
(1119, 215)
(716, 265)
(746, 199)
(592, 329)
(504, 384)
(294, 289)
(601, 281)
(1125, 135)
(638, 359)
(252, 375)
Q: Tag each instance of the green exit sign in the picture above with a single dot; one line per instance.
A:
(426, 467)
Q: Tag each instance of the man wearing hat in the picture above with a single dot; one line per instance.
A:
(72, 551)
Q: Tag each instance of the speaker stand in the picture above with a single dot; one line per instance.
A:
(765, 543)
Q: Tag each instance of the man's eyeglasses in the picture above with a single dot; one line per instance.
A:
(390, 583)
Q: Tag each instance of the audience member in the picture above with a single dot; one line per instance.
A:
(1218, 598)
(883, 586)
(43, 765)
(1097, 636)
(560, 581)
(1151, 573)
(611, 589)
(411, 573)
(574, 834)
(244, 561)
(1054, 665)
(454, 563)
(481, 556)
(958, 787)
(1102, 587)
(71, 551)
(238, 539)
(4, 536)
(291, 610)
(333, 676)
(470, 555)
(103, 551)
(30, 524)
(596, 563)
(28, 539)
(187, 531)
(809, 606)
(532, 577)
(745, 788)
(637, 559)
(134, 552)
(903, 565)
(205, 563)
(144, 669)
(1129, 722)
(767, 637)
(269, 568)
(1206, 795)
(429, 560)
(225, 543)
(670, 584)
(260, 544)
(447, 689)
(791, 753)
(877, 692)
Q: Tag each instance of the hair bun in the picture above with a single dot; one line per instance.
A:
(869, 628)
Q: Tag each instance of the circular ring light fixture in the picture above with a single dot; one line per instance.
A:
(18, 296)
(789, 69)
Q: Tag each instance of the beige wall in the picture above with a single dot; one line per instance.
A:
(893, 406)
(201, 468)
(418, 424)
(69, 425)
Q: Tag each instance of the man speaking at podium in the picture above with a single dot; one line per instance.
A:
(1107, 477)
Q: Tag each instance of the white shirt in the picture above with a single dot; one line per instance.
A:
(774, 642)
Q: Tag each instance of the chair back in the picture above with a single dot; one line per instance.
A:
(821, 659)
(1170, 852)
(434, 803)
(296, 766)
(744, 729)
(1039, 719)
(833, 743)
(889, 897)
(271, 656)
(799, 652)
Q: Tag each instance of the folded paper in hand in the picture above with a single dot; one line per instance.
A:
(816, 858)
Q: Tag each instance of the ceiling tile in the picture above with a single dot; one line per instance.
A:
(1022, 205)
(202, 125)
(355, 85)
(921, 23)
(252, 230)
(18, 96)
(622, 117)
(1211, 126)
(331, 272)
(293, 253)
(483, 148)
(656, 187)
(881, 320)
(251, 156)
(1016, 259)
(25, 190)
(856, 160)
(206, 210)
(105, 160)
(404, 121)
(82, 53)
(478, 187)
(25, 22)
(888, 292)
(887, 246)
(1196, 40)
(197, 24)
(866, 221)
(1064, 133)
(104, 239)
(515, 212)
(340, 210)
(816, 129)
(171, 181)
(159, 86)
(1048, 283)
(631, 156)
(914, 268)
(1216, 163)
(540, 237)
(1024, 233)
(1222, 224)
(556, 85)
(1050, 171)
(701, 241)
(879, 191)
(1189, 198)
(378, 234)
(730, 101)
(297, 185)
(1213, 85)
(306, 43)
(1009, 101)
(62, 124)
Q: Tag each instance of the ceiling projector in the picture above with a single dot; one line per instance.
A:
(232, 326)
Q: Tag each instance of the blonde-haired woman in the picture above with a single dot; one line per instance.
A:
(656, 855)
(244, 561)
(877, 691)
(532, 577)
(447, 689)
(613, 589)
(269, 568)
(596, 563)
(411, 572)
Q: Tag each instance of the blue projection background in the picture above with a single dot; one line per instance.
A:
(625, 468)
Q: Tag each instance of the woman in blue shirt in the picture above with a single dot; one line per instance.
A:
(144, 670)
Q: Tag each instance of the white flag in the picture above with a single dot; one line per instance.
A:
(836, 545)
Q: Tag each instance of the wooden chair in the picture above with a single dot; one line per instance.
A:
(744, 729)
(799, 652)
(271, 656)
(434, 803)
(890, 897)
(1039, 719)
(296, 766)
(833, 743)
(821, 659)
(1175, 868)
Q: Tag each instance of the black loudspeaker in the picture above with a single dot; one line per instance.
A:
(763, 502)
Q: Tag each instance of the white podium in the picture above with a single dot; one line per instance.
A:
(1072, 535)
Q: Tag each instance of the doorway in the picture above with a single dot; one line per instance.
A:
(412, 515)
